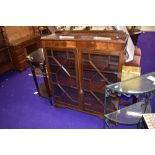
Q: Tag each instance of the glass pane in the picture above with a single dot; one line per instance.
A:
(130, 115)
(96, 75)
(62, 66)
(137, 85)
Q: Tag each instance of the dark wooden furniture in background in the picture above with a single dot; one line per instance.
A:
(21, 49)
(5, 55)
(23, 40)
(80, 64)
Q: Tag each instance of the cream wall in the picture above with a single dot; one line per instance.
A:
(143, 28)
(148, 28)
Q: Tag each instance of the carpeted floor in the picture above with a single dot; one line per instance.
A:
(147, 44)
(21, 107)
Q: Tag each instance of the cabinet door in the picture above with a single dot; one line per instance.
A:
(63, 71)
(98, 70)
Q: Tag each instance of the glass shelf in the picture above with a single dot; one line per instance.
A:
(137, 85)
(130, 115)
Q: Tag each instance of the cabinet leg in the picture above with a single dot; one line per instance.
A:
(35, 80)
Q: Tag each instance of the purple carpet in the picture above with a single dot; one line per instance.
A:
(21, 108)
(147, 44)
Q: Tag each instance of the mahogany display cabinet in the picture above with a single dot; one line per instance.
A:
(80, 64)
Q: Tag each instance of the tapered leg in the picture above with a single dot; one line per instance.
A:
(35, 79)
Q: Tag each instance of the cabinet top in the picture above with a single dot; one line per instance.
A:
(91, 35)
